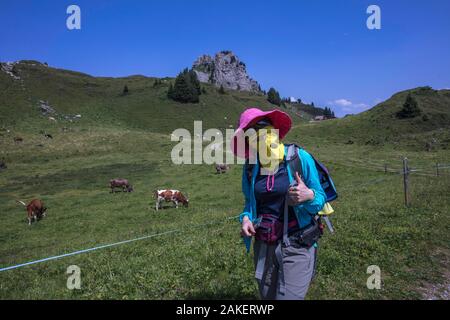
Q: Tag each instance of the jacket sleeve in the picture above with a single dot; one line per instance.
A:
(246, 192)
(311, 179)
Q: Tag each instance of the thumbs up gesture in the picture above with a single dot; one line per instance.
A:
(299, 193)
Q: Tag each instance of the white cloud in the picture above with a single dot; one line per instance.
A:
(342, 102)
(348, 106)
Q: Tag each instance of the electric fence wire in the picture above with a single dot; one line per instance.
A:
(113, 244)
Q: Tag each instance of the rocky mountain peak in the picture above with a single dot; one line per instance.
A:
(224, 69)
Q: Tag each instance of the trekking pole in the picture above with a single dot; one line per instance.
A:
(329, 224)
(405, 181)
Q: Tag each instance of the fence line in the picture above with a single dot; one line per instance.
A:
(405, 172)
(369, 168)
(368, 183)
(378, 180)
(386, 169)
(430, 174)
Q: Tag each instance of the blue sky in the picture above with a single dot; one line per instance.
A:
(319, 51)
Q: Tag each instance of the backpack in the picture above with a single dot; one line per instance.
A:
(296, 165)
(325, 181)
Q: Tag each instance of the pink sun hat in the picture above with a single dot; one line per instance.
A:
(279, 119)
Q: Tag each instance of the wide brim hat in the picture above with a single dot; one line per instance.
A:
(280, 120)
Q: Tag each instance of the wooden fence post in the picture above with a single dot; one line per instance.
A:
(437, 169)
(406, 181)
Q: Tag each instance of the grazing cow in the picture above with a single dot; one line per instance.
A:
(222, 168)
(120, 183)
(18, 139)
(48, 136)
(52, 119)
(173, 196)
(35, 209)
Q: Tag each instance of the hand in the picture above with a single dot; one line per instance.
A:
(300, 193)
(247, 229)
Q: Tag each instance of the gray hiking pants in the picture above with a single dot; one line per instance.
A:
(298, 270)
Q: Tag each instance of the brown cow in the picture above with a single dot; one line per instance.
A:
(168, 195)
(120, 183)
(222, 168)
(35, 209)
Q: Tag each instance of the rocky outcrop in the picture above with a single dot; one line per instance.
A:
(45, 108)
(226, 70)
(204, 68)
(9, 69)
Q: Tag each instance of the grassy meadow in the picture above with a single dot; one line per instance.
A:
(202, 255)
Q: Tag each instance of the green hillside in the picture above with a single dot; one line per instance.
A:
(380, 127)
(100, 101)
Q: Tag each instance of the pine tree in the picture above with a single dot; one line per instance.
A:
(221, 90)
(194, 81)
(170, 91)
(274, 97)
(410, 108)
(186, 88)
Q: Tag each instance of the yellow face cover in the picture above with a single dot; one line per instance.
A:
(270, 149)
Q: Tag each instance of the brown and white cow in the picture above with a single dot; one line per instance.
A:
(120, 183)
(35, 209)
(167, 195)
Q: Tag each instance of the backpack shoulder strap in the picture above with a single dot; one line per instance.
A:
(295, 165)
(293, 160)
(248, 170)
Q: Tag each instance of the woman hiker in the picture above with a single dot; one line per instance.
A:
(281, 204)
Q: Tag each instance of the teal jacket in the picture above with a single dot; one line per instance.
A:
(304, 211)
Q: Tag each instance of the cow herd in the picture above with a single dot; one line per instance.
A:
(36, 209)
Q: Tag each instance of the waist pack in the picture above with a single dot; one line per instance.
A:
(308, 236)
(269, 228)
